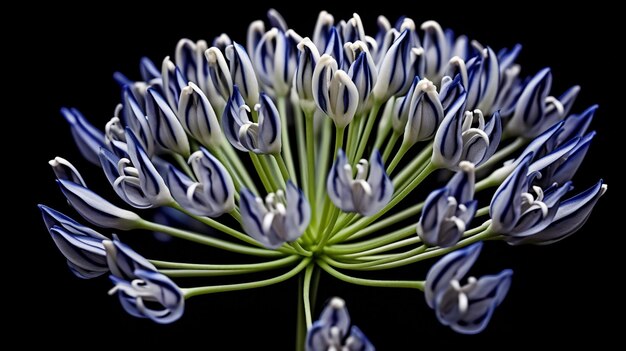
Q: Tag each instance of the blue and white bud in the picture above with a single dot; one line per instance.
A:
(197, 116)
(535, 111)
(95, 209)
(468, 308)
(517, 213)
(362, 71)
(448, 143)
(333, 331)
(88, 139)
(165, 126)
(282, 217)
(483, 74)
(356, 193)
(221, 42)
(275, 60)
(571, 215)
(150, 294)
(436, 51)
(63, 169)
(425, 113)
(394, 69)
(124, 261)
(256, 29)
(321, 33)
(173, 82)
(211, 195)
(263, 137)
(480, 139)
(134, 117)
(448, 211)
(242, 73)
(81, 245)
(219, 84)
(334, 92)
(303, 79)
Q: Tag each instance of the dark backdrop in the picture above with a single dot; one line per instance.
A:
(560, 293)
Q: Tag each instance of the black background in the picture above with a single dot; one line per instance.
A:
(560, 293)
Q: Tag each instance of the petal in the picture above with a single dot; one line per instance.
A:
(151, 181)
(123, 261)
(448, 143)
(338, 188)
(95, 209)
(242, 73)
(197, 116)
(570, 217)
(530, 108)
(269, 126)
(88, 139)
(380, 183)
(165, 127)
(452, 266)
(298, 210)
(505, 207)
(63, 169)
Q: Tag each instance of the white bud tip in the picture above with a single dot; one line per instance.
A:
(337, 303)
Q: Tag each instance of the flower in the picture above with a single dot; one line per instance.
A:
(357, 194)
(449, 210)
(81, 245)
(334, 91)
(333, 331)
(262, 137)
(137, 180)
(282, 217)
(140, 287)
(465, 308)
(211, 130)
(212, 195)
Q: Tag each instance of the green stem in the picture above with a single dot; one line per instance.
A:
(282, 111)
(310, 150)
(261, 172)
(191, 292)
(191, 273)
(371, 120)
(302, 145)
(235, 161)
(410, 169)
(361, 227)
(419, 285)
(207, 240)
(323, 165)
(390, 145)
(219, 226)
(283, 168)
(482, 212)
(364, 248)
(252, 267)
(339, 133)
(306, 294)
(398, 157)
(405, 259)
(384, 126)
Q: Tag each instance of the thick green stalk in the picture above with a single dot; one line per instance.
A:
(310, 156)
